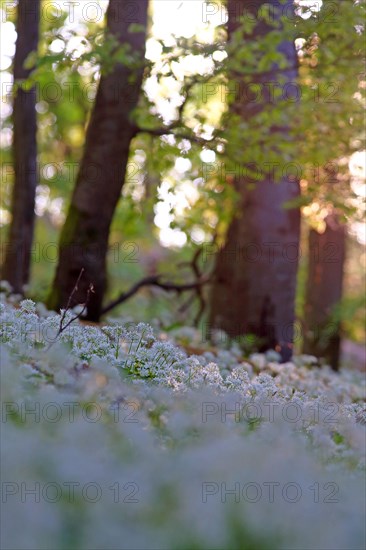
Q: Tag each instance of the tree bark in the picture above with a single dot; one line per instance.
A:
(16, 268)
(324, 291)
(255, 272)
(84, 238)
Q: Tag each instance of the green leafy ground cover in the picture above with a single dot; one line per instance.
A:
(119, 436)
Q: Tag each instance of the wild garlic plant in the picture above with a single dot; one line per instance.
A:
(128, 441)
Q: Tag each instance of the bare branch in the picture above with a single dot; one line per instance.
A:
(63, 327)
(169, 130)
(68, 305)
(79, 315)
(155, 281)
(193, 264)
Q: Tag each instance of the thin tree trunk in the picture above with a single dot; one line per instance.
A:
(84, 238)
(255, 272)
(16, 268)
(324, 291)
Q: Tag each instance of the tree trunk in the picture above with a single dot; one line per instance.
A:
(16, 268)
(255, 272)
(84, 238)
(324, 291)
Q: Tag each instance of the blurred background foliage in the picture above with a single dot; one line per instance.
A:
(176, 198)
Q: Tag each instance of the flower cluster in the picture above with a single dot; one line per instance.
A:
(172, 450)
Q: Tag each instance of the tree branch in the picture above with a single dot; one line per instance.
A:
(155, 281)
(169, 130)
(63, 327)
(173, 128)
(193, 264)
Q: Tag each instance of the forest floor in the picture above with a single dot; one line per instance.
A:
(185, 444)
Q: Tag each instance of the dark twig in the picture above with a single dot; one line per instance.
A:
(198, 292)
(169, 130)
(63, 327)
(69, 301)
(155, 281)
(177, 128)
(183, 308)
